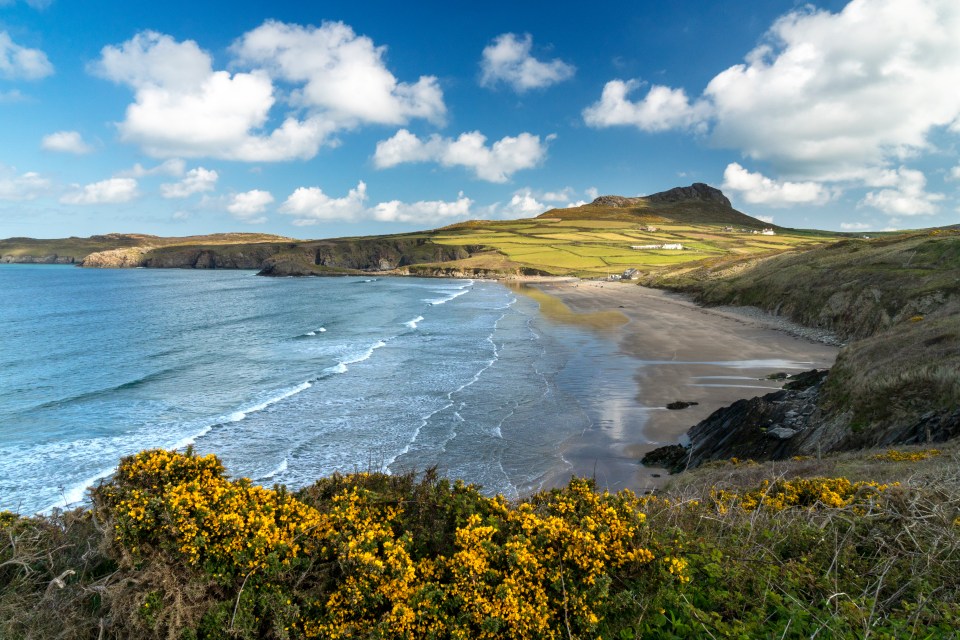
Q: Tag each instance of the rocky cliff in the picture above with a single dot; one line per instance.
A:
(29, 259)
(898, 302)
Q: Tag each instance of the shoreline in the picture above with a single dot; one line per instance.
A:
(681, 352)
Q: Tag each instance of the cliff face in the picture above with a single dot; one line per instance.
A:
(49, 259)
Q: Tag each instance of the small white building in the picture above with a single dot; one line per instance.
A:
(675, 246)
(767, 232)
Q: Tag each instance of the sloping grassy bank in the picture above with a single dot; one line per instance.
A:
(896, 299)
(173, 548)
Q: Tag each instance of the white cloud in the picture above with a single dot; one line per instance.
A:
(767, 219)
(22, 63)
(826, 97)
(24, 186)
(173, 167)
(661, 109)
(247, 206)
(13, 96)
(66, 142)
(563, 195)
(756, 188)
(523, 204)
(429, 211)
(311, 205)
(494, 163)
(954, 173)
(854, 226)
(184, 108)
(196, 180)
(110, 191)
(592, 192)
(508, 60)
(909, 196)
(830, 94)
(342, 74)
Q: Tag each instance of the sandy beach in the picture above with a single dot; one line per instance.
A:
(683, 352)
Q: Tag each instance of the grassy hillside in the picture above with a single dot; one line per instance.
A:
(16, 249)
(173, 548)
(896, 300)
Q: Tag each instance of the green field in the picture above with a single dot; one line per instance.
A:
(601, 247)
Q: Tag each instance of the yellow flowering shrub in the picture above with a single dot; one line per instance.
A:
(542, 568)
(185, 504)
(800, 492)
(893, 455)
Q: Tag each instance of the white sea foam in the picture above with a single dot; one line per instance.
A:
(74, 496)
(438, 301)
(310, 333)
(365, 355)
(321, 330)
(280, 469)
(413, 323)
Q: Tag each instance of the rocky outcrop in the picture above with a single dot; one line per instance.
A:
(116, 258)
(698, 191)
(364, 255)
(791, 422)
(26, 259)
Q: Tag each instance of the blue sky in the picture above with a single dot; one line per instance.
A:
(328, 119)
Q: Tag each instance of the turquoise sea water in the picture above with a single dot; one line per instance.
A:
(286, 379)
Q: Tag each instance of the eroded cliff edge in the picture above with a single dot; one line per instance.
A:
(896, 302)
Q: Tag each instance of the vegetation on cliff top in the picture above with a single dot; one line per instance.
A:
(173, 548)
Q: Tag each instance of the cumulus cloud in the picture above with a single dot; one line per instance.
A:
(424, 211)
(854, 226)
(523, 204)
(825, 98)
(110, 191)
(954, 173)
(507, 59)
(23, 186)
(830, 94)
(173, 167)
(183, 107)
(906, 197)
(197, 180)
(756, 188)
(310, 205)
(22, 63)
(342, 74)
(494, 163)
(247, 206)
(66, 142)
(661, 109)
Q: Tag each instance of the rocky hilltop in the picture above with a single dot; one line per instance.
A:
(698, 191)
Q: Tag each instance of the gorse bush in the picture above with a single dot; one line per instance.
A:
(173, 548)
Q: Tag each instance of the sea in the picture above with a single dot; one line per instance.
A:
(287, 379)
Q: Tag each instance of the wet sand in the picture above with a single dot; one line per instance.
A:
(682, 352)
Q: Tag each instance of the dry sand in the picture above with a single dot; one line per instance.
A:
(683, 352)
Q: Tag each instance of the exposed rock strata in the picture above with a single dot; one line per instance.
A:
(788, 423)
(50, 259)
